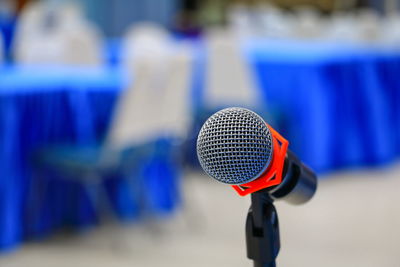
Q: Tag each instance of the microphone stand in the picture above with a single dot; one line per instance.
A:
(262, 230)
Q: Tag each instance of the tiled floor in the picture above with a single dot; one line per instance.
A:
(354, 220)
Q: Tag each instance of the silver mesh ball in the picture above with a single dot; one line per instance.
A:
(234, 146)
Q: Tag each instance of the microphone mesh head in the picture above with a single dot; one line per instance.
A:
(234, 146)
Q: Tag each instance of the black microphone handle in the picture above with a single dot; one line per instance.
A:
(299, 182)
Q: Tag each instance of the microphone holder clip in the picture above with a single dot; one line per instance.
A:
(262, 230)
(273, 175)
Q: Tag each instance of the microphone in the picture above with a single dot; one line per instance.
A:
(236, 146)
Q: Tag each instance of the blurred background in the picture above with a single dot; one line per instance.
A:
(101, 103)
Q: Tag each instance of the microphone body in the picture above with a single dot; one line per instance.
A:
(299, 183)
(237, 147)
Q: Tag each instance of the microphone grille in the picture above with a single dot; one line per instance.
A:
(234, 146)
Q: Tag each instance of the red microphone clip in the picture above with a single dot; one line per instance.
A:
(273, 175)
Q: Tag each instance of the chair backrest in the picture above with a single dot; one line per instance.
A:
(342, 27)
(56, 34)
(391, 6)
(229, 80)
(362, 27)
(144, 40)
(309, 24)
(137, 117)
(155, 99)
(274, 22)
(177, 102)
(369, 26)
(390, 31)
(240, 20)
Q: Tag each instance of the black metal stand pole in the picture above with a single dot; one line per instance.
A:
(262, 231)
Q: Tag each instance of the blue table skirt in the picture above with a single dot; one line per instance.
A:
(339, 106)
(59, 105)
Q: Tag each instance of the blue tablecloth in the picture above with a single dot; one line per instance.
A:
(41, 106)
(338, 105)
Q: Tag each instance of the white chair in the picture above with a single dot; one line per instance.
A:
(138, 117)
(240, 21)
(56, 34)
(309, 24)
(273, 22)
(84, 40)
(391, 6)
(341, 28)
(177, 102)
(360, 28)
(144, 39)
(369, 26)
(228, 79)
(390, 31)
(390, 27)
(157, 100)
(148, 109)
(156, 103)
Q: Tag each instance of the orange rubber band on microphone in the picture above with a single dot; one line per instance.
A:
(273, 175)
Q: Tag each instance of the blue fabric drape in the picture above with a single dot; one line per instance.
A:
(339, 106)
(50, 106)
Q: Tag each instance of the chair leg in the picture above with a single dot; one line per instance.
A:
(109, 211)
(91, 188)
(98, 196)
(36, 196)
(193, 214)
